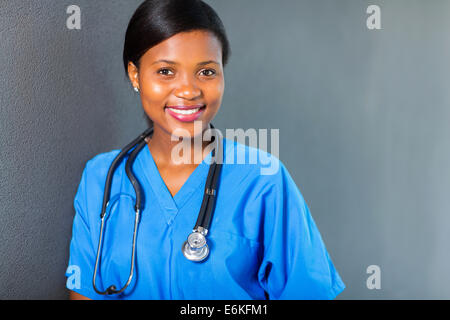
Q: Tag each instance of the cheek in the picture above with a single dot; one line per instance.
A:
(214, 93)
(155, 91)
(154, 96)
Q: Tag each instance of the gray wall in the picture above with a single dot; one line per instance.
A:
(362, 116)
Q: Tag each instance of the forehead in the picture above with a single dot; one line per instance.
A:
(186, 47)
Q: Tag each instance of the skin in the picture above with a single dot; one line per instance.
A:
(183, 83)
(186, 82)
(77, 296)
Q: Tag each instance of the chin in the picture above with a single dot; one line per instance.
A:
(189, 129)
(185, 133)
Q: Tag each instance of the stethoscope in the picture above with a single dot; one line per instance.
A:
(195, 248)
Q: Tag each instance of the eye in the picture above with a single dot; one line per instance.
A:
(210, 72)
(164, 71)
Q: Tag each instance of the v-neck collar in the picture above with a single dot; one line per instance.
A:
(172, 205)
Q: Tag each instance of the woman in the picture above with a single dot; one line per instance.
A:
(263, 241)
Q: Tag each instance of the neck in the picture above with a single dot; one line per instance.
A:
(161, 146)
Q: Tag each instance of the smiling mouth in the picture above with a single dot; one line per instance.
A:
(186, 110)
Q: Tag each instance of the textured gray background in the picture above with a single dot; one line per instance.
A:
(363, 118)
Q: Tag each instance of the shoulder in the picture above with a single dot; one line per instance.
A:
(101, 162)
(254, 157)
(256, 165)
(92, 182)
(96, 168)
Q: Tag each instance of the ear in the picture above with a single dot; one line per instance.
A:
(133, 74)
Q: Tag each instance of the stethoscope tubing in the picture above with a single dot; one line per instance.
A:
(203, 221)
(129, 171)
(140, 141)
(115, 163)
(209, 200)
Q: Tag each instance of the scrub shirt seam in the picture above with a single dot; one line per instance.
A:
(170, 265)
(162, 203)
(187, 196)
(201, 181)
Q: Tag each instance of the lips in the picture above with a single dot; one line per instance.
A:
(186, 107)
(186, 113)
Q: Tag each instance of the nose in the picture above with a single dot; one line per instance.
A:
(187, 88)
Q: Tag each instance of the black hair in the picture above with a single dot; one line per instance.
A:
(157, 20)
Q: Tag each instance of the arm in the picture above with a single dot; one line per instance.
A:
(296, 264)
(82, 256)
(76, 296)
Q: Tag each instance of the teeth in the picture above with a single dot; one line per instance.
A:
(191, 111)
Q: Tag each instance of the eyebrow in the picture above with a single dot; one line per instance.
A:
(175, 63)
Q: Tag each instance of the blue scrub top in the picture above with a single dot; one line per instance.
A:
(263, 240)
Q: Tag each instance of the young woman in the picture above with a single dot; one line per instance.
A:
(262, 242)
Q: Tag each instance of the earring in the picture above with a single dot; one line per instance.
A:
(136, 88)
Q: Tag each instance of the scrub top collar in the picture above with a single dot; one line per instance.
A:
(172, 205)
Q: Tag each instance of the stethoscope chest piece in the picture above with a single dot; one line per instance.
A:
(195, 248)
